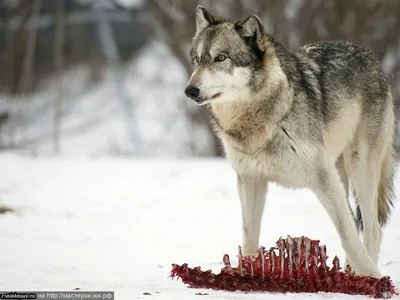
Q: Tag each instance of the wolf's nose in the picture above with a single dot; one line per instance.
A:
(192, 92)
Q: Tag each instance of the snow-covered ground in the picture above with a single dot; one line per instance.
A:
(119, 224)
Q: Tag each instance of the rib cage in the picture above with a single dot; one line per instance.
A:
(293, 265)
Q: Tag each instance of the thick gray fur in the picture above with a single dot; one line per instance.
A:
(318, 117)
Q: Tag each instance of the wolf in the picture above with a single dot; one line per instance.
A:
(318, 117)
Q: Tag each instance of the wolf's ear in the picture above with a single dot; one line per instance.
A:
(252, 29)
(203, 19)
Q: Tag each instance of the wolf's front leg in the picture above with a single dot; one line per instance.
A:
(252, 193)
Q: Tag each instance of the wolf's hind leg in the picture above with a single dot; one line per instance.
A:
(371, 177)
(330, 191)
(345, 180)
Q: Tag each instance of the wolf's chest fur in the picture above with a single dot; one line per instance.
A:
(244, 127)
(258, 147)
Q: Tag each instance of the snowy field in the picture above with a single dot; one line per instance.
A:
(119, 224)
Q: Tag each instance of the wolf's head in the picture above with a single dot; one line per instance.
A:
(229, 59)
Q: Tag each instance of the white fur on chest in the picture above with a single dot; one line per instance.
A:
(286, 168)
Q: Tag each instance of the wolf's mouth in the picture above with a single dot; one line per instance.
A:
(201, 101)
(216, 95)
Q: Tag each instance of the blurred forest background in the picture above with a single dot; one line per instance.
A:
(106, 77)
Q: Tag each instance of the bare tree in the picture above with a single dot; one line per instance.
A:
(9, 59)
(59, 65)
(26, 77)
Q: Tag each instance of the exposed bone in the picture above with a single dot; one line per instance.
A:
(272, 255)
(261, 253)
(251, 266)
(240, 260)
(315, 257)
(227, 262)
(323, 257)
(281, 247)
(336, 264)
(298, 260)
(307, 254)
(290, 248)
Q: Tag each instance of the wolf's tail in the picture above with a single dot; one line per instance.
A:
(385, 192)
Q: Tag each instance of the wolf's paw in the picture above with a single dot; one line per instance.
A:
(371, 273)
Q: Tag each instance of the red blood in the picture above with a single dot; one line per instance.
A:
(295, 265)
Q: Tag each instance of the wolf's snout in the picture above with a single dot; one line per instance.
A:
(192, 92)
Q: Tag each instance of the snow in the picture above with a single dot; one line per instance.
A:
(119, 224)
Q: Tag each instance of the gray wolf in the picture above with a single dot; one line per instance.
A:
(317, 117)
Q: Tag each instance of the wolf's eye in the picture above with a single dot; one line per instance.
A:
(197, 59)
(220, 58)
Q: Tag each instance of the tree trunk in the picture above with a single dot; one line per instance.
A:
(25, 83)
(59, 65)
(8, 76)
